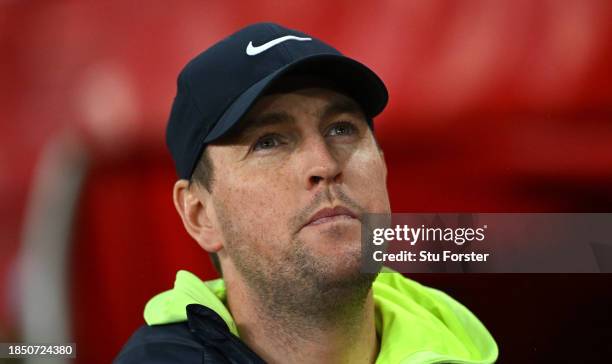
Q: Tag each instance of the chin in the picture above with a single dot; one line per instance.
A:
(344, 261)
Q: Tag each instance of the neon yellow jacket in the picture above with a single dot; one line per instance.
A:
(415, 323)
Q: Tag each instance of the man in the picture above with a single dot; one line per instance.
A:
(271, 134)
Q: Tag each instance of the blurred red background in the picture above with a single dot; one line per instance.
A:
(501, 106)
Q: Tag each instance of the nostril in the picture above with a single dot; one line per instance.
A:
(315, 179)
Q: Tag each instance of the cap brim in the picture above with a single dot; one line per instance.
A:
(363, 85)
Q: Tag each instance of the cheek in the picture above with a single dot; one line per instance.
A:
(368, 179)
(254, 206)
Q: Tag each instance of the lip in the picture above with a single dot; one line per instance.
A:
(329, 214)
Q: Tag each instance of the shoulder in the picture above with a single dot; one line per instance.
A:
(204, 337)
(172, 343)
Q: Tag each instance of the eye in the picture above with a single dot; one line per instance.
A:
(341, 129)
(268, 141)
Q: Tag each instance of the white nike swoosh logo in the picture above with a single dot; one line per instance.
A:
(252, 50)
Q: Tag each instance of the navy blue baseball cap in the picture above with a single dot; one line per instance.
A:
(218, 87)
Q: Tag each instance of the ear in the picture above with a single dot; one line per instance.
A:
(194, 205)
(384, 164)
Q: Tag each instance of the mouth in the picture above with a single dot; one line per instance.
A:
(328, 215)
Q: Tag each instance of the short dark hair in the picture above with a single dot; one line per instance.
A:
(203, 175)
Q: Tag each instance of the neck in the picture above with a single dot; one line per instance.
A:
(344, 332)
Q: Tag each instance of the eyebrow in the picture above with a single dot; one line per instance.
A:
(271, 118)
(340, 106)
(336, 107)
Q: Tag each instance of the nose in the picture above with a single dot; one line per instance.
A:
(322, 166)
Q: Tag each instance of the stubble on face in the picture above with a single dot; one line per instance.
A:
(299, 277)
(295, 285)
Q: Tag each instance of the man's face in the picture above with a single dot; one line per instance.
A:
(289, 190)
